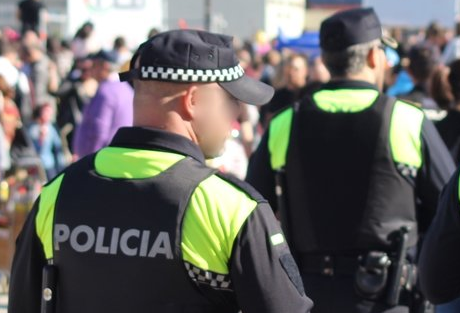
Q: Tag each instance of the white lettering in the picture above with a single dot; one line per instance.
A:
(114, 241)
(124, 242)
(61, 234)
(144, 243)
(131, 242)
(90, 238)
(161, 245)
(100, 241)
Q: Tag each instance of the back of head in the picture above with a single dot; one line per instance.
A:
(349, 61)
(192, 94)
(434, 30)
(6, 48)
(423, 60)
(441, 91)
(119, 42)
(347, 37)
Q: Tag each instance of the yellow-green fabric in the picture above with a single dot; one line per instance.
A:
(278, 138)
(345, 100)
(405, 134)
(45, 215)
(126, 163)
(405, 127)
(216, 212)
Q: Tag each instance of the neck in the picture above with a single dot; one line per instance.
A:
(365, 77)
(161, 115)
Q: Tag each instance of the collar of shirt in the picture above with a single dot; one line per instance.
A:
(155, 139)
(348, 84)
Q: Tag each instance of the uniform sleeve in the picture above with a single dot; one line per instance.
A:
(263, 271)
(439, 264)
(260, 174)
(26, 272)
(437, 168)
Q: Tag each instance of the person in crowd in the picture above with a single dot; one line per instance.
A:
(449, 127)
(46, 140)
(74, 95)
(120, 51)
(42, 73)
(32, 15)
(84, 42)
(422, 64)
(107, 111)
(16, 79)
(295, 88)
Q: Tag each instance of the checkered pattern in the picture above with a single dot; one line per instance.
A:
(407, 170)
(216, 281)
(192, 76)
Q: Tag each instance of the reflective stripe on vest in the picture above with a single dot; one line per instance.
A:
(278, 138)
(405, 134)
(405, 128)
(45, 215)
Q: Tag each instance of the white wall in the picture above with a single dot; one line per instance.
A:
(241, 18)
(285, 15)
(130, 18)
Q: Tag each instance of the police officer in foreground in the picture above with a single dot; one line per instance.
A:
(143, 225)
(345, 168)
(440, 256)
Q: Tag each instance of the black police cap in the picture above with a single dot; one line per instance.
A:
(352, 27)
(191, 56)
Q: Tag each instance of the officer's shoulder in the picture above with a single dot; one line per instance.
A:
(410, 106)
(282, 113)
(227, 194)
(282, 117)
(76, 166)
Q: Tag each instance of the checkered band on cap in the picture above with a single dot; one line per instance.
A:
(191, 75)
(215, 280)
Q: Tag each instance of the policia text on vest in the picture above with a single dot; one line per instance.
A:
(114, 241)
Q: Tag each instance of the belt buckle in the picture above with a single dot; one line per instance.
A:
(327, 266)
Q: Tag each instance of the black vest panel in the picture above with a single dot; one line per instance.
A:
(118, 242)
(343, 187)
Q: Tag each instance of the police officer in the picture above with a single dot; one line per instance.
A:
(143, 225)
(440, 256)
(348, 164)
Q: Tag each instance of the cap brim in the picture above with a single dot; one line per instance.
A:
(249, 90)
(389, 41)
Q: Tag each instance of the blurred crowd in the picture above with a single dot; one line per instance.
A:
(60, 98)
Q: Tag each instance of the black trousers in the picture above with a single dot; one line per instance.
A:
(336, 294)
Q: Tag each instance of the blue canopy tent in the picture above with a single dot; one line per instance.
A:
(307, 43)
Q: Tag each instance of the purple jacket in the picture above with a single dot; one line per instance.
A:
(110, 109)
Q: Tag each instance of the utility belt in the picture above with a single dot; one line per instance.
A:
(379, 276)
(372, 273)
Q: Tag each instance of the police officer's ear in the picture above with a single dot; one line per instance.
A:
(375, 58)
(188, 103)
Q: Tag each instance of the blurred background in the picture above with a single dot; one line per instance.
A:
(57, 55)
